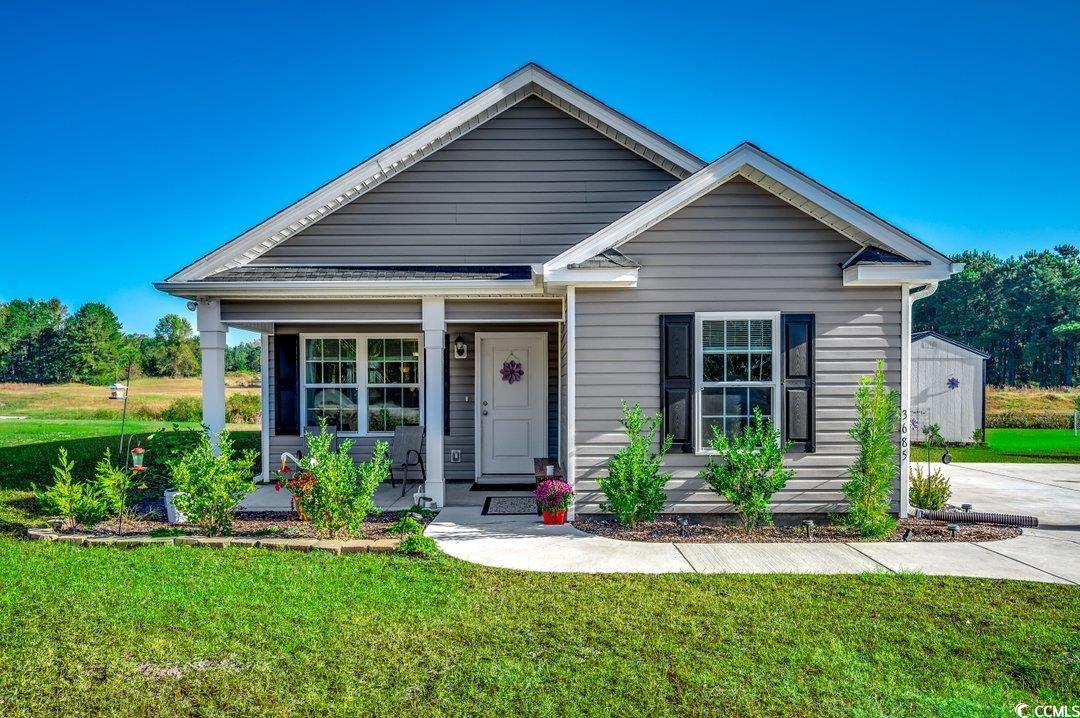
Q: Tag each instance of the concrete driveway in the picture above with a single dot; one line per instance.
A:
(1049, 491)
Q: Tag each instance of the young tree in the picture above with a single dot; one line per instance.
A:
(869, 490)
(94, 344)
(634, 486)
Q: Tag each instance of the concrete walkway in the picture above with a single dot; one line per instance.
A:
(1050, 553)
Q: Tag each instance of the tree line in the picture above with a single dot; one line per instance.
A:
(41, 342)
(1023, 311)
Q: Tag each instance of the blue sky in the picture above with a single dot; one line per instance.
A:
(136, 137)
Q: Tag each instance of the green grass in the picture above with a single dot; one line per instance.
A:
(1015, 446)
(28, 449)
(116, 632)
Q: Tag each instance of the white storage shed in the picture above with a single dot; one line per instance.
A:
(948, 386)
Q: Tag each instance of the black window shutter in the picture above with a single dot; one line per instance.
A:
(798, 380)
(677, 379)
(287, 384)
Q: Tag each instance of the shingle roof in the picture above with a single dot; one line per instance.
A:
(256, 273)
(608, 259)
(915, 336)
(876, 255)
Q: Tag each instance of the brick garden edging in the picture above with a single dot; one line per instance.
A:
(336, 547)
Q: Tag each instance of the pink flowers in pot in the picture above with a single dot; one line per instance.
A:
(553, 497)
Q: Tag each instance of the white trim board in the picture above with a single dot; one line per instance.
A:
(773, 175)
(528, 81)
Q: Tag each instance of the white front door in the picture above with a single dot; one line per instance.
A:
(512, 405)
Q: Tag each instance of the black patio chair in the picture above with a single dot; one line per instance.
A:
(406, 452)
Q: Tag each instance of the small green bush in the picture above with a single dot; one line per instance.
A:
(750, 469)
(211, 485)
(869, 490)
(77, 504)
(115, 484)
(332, 491)
(243, 408)
(186, 408)
(418, 545)
(634, 485)
(406, 525)
(928, 491)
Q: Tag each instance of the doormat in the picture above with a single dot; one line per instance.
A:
(526, 486)
(510, 506)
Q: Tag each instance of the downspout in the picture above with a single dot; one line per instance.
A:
(910, 297)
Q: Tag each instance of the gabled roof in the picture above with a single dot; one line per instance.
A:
(525, 82)
(608, 259)
(785, 182)
(876, 255)
(916, 336)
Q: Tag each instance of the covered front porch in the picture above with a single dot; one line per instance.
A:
(485, 377)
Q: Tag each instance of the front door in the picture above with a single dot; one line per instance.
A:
(512, 406)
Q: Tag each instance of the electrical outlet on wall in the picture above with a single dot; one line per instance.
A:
(455, 456)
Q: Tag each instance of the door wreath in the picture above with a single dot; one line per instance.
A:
(512, 371)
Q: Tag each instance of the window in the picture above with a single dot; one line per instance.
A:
(362, 385)
(738, 371)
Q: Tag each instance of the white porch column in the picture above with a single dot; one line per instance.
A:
(434, 324)
(212, 344)
(264, 383)
(571, 395)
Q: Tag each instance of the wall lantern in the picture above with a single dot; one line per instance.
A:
(117, 391)
(461, 350)
(137, 456)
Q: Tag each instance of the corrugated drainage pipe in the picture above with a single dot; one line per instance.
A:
(975, 517)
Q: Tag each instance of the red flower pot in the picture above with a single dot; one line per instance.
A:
(556, 518)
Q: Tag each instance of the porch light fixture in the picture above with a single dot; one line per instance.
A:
(461, 350)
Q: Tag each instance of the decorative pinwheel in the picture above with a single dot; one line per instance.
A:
(953, 382)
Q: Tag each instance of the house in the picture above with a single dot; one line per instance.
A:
(534, 232)
(948, 386)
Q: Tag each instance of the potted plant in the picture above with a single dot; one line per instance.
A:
(553, 497)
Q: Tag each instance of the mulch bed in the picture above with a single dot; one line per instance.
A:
(665, 530)
(258, 524)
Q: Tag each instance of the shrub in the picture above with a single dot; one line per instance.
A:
(331, 490)
(634, 485)
(929, 491)
(165, 446)
(406, 525)
(76, 503)
(210, 486)
(979, 437)
(553, 495)
(870, 488)
(186, 408)
(1029, 420)
(418, 545)
(115, 484)
(243, 408)
(750, 469)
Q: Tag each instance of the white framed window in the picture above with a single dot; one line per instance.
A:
(738, 370)
(364, 384)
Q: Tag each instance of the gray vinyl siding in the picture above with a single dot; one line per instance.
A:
(462, 388)
(737, 248)
(521, 188)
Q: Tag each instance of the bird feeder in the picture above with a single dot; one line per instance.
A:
(117, 391)
(137, 456)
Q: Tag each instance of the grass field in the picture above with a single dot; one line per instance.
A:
(177, 631)
(81, 401)
(1029, 446)
(1001, 400)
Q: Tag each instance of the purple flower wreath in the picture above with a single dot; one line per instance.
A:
(512, 371)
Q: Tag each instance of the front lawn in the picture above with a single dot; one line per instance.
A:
(1028, 446)
(176, 631)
